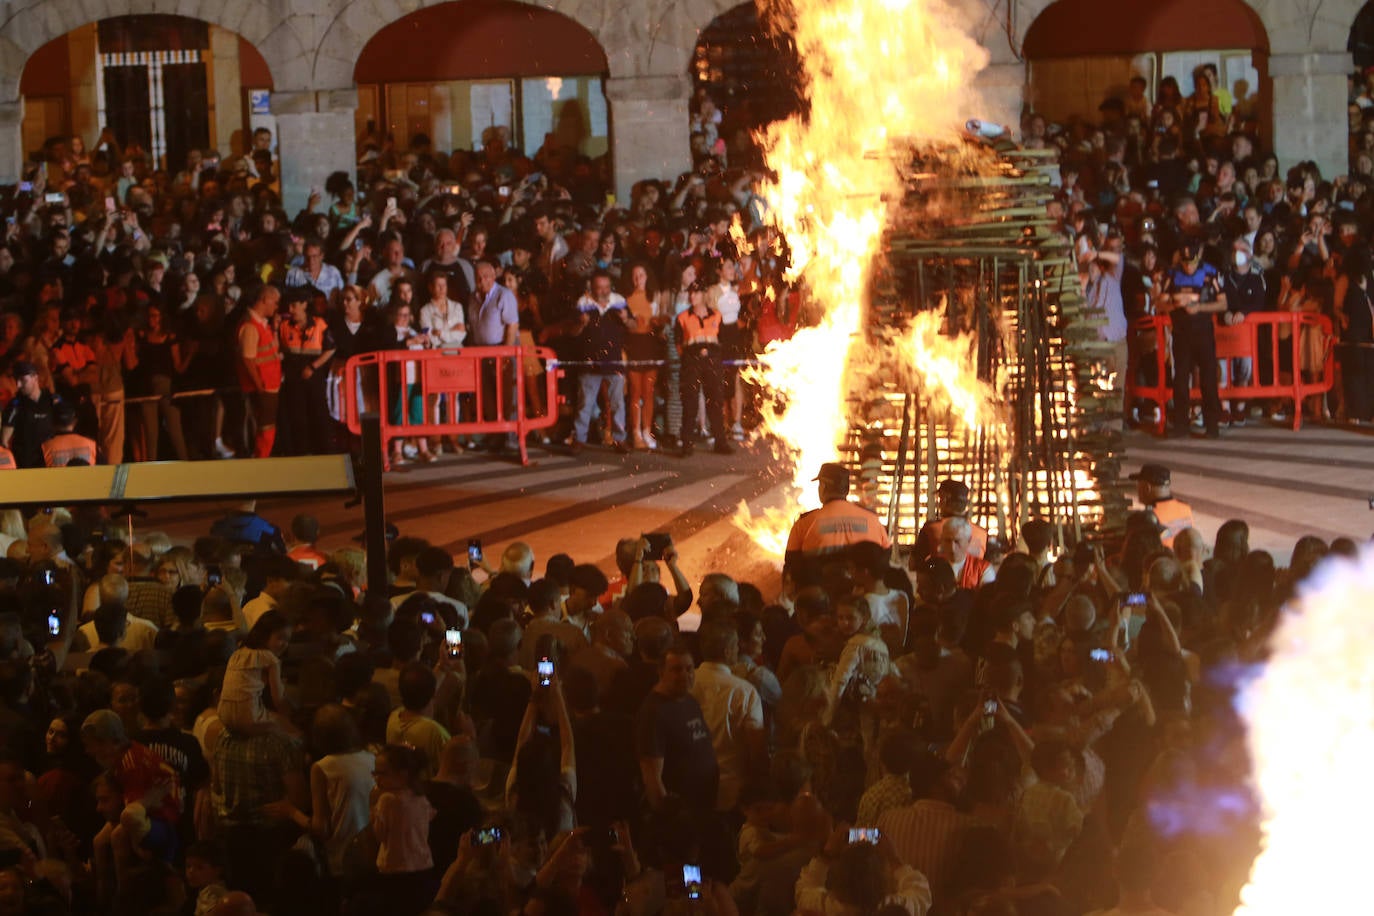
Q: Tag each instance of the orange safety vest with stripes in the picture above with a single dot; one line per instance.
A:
(697, 330)
(833, 527)
(267, 358)
(306, 341)
(61, 448)
(7, 460)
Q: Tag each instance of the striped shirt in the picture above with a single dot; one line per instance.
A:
(926, 836)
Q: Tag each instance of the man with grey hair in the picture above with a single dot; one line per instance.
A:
(139, 634)
(969, 571)
(718, 594)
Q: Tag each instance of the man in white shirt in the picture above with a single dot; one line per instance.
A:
(394, 266)
(315, 272)
(432, 568)
(113, 626)
(280, 572)
(733, 711)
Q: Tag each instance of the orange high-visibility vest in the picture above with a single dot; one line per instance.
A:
(834, 526)
(971, 576)
(306, 341)
(1174, 515)
(60, 449)
(697, 331)
(267, 358)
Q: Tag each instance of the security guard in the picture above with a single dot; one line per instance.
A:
(1154, 490)
(259, 366)
(306, 350)
(1192, 295)
(699, 344)
(829, 532)
(28, 419)
(66, 446)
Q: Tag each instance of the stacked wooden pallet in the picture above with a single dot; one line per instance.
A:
(973, 241)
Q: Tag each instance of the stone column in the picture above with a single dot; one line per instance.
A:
(1309, 109)
(1002, 88)
(11, 141)
(649, 133)
(315, 137)
(227, 92)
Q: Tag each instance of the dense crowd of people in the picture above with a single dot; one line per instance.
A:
(1176, 208)
(964, 726)
(186, 315)
(241, 725)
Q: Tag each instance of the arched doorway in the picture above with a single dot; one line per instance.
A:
(751, 74)
(456, 71)
(163, 84)
(1077, 57)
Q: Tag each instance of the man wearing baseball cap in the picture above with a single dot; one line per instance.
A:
(28, 421)
(829, 532)
(951, 501)
(1154, 491)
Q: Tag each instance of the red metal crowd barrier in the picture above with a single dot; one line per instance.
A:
(1242, 341)
(408, 387)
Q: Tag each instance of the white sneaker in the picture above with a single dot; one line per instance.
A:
(737, 431)
(223, 450)
(649, 441)
(410, 451)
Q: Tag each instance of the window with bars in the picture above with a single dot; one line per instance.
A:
(152, 84)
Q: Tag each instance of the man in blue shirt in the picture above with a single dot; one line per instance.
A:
(1192, 295)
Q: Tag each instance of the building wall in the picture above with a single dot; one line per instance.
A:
(311, 49)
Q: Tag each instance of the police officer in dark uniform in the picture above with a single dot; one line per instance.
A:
(28, 421)
(702, 371)
(1192, 295)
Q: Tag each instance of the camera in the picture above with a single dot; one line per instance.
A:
(488, 836)
(545, 671)
(475, 552)
(54, 623)
(1100, 655)
(453, 641)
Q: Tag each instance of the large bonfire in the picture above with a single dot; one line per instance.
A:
(881, 76)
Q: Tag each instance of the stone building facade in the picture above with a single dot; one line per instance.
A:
(312, 47)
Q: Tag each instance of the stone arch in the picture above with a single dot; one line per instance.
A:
(32, 25)
(656, 41)
(1293, 26)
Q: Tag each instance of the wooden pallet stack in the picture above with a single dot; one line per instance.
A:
(972, 239)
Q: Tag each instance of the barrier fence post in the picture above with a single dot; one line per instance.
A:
(374, 504)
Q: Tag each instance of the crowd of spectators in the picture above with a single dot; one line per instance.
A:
(184, 313)
(1177, 207)
(241, 725)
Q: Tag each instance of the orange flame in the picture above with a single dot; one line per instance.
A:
(882, 75)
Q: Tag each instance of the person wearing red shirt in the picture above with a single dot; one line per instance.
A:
(146, 827)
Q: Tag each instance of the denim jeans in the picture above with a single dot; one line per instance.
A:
(589, 386)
